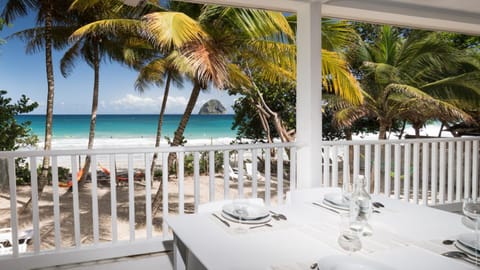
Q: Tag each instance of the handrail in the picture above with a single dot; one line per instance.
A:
(131, 150)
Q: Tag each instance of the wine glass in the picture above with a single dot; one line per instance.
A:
(349, 238)
(347, 190)
(240, 211)
(471, 209)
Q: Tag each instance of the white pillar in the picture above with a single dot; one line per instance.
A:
(309, 94)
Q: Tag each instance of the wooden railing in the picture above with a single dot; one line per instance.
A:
(112, 209)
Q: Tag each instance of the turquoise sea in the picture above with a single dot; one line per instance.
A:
(132, 126)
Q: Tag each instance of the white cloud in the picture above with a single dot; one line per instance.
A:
(131, 103)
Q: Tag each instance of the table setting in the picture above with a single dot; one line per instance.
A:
(327, 229)
(241, 216)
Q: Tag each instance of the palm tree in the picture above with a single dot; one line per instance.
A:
(49, 14)
(336, 76)
(394, 71)
(159, 71)
(93, 47)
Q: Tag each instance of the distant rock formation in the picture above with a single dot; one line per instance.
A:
(212, 106)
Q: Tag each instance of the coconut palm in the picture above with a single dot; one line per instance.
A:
(159, 71)
(394, 71)
(49, 15)
(95, 47)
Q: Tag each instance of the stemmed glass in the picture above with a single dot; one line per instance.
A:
(240, 211)
(471, 209)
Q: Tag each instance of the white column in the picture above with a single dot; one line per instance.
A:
(309, 94)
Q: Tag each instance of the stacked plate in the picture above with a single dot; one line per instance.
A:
(466, 243)
(337, 201)
(246, 212)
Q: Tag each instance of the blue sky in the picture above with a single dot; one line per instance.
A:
(25, 74)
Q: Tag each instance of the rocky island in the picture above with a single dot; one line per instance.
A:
(212, 106)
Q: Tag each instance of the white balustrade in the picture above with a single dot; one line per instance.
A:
(432, 171)
(82, 225)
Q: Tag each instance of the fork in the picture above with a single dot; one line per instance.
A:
(278, 216)
(261, 225)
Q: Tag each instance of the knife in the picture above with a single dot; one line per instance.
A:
(223, 221)
(328, 208)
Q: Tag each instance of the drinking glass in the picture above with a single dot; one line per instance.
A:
(349, 238)
(240, 210)
(347, 190)
(471, 209)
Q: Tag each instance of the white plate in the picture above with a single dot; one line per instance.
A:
(468, 240)
(247, 221)
(470, 252)
(468, 222)
(343, 262)
(252, 211)
(336, 199)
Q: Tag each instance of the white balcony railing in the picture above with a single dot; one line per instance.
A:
(110, 215)
(426, 171)
(102, 218)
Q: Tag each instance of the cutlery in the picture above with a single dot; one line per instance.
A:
(448, 242)
(221, 219)
(261, 225)
(324, 207)
(314, 266)
(460, 255)
(278, 216)
(378, 204)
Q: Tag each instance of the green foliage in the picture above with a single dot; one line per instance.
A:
(203, 164)
(14, 134)
(280, 97)
(23, 175)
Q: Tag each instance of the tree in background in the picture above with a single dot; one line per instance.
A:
(49, 14)
(398, 68)
(94, 48)
(13, 134)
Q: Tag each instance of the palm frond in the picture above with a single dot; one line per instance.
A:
(153, 73)
(347, 116)
(67, 63)
(17, 8)
(337, 78)
(170, 30)
(109, 27)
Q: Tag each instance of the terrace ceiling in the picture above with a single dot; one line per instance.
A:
(461, 16)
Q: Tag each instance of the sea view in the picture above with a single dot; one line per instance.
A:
(71, 131)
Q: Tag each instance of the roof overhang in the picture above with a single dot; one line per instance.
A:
(462, 16)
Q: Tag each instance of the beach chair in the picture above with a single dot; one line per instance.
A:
(24, 239)
(249, 169)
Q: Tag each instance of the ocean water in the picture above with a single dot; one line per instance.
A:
(132, 126)
(71, 131)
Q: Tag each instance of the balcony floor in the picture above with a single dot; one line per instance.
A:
(162, 261)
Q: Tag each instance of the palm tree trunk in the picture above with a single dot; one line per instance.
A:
(177, 140)
(50, 98)
(43, 177)
(93, 117)
(382, 134)
(160, 121)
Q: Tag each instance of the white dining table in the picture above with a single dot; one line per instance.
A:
(405, 236)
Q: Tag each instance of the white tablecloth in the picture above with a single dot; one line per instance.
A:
(406, 236)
